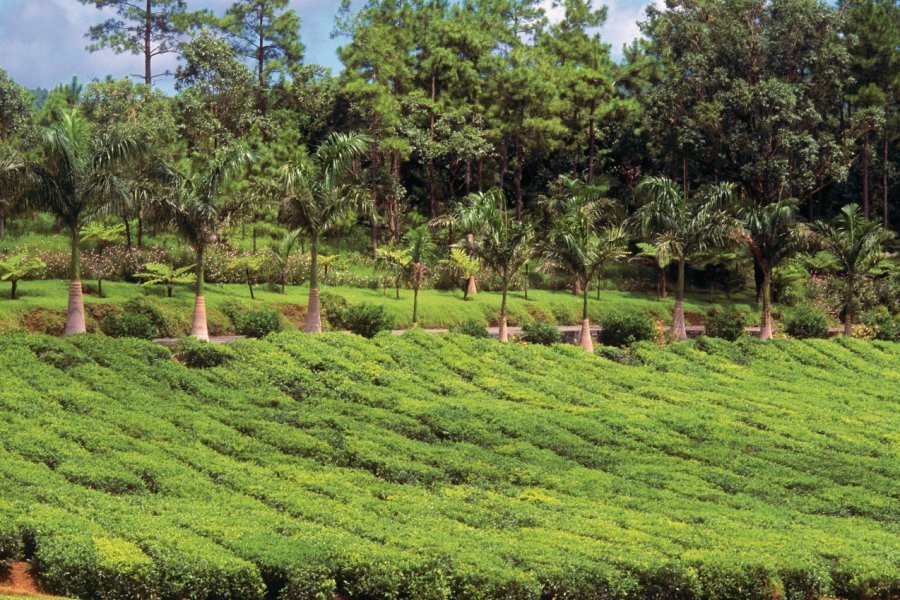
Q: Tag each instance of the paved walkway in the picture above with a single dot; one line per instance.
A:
(570, 333)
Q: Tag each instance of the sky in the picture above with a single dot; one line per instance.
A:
(43, 41)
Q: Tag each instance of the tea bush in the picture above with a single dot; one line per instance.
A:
(367, 320)
(541, 333)
(884, 325)
(623, 329)
(197, 354)
(472, 329)
(805, 323)
(727, 323)
(426, 466)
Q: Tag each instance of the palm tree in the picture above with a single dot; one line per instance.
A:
(462, 263)
(195, 209)
(394, 261)
(578, 242)
(420, 247)
(501, 241)
(773, 236)
(682, 225)
(73, 179)
(857, 245)
(318, 197)
(466, 216)
(281, 252)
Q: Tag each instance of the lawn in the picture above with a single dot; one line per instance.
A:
(436, 308)
(447, 467)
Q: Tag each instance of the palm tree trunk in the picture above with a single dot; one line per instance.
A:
(313, 312)
(199, 328)
(678, 321)
(848, 308)
(415, 322)
(75, 313)
(576, 287)
(586, 342)
(471, 289)
(765, 322)
(504, 335)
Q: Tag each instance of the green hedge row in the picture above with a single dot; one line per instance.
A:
(451, 467)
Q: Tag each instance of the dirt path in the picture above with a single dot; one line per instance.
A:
(17, 580)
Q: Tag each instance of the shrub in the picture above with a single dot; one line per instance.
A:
(259, 323)
(623, 357)
(624, 329)
(726, 323)
(367, 320)
(883, 325)
(140, 318)
(333, 308)
(541, 333)
(472, 329)
(805, 322)
(196, 354)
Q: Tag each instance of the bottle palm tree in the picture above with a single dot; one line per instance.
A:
(195, 209)
(420, 247)
(394, 261)
(681, 225)
(74, 178)
(462, 263)
(857, 245)
(501, 241)
(773, 235)
(465, 216)
(318, 196)
(579, 242)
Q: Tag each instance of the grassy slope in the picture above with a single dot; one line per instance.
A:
(436, 308)
(433, 467)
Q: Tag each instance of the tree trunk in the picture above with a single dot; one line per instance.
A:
(586, 342)
(75, 323)
(169, 287)
(2, 223)
(884, 183)
(848, 308)
(504, 335)
(661, 291)
(250, 284)
(576, 287)
(148, 49)
(140, 231)
(865, 170)
(765, 322)
(15, 284)
(199, 327)
(127, 232)
(678, 330)
(471, 288)
(313, 312)
(591, 142)
(373, 223)
(415, 321)
(520, 167)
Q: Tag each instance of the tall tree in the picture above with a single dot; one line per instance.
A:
(857, 245)
(319, 195)
(682, 225)
(773, 235)
(141, 27)
(15, 124)
(502, 242)
(75, 177)
(267, 33)
(584, 239)
(195, 209)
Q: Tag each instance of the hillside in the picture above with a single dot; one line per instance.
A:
(443, 466)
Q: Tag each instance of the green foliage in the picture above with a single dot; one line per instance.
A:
(541, 333)
(805, 322)
(260, 323)
(726, 323)
(197, 354)
(162, 274)
(367, 320)
(139, 317)
(883, 324)
(19, 266)
(615, 354)
(308, 466)
(471, 328)
(334, 309)
(623, 329)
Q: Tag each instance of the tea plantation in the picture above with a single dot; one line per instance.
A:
(429, 467)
